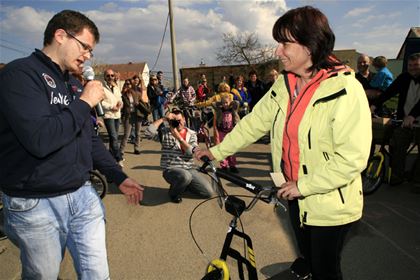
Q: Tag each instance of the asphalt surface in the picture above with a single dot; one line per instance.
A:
(153, 241)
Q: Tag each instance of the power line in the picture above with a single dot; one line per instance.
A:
(16, 44)
(161, 43)
(13, 49)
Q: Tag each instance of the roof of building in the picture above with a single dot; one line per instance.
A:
(127, 70)
(414, 32)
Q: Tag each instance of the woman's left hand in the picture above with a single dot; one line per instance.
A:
(289, 191)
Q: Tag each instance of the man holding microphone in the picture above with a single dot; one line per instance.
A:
(47, 148)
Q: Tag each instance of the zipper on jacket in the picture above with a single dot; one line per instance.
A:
(326, 156)
(292, 109)
(341, 195)
(309, 138)
(274, 94)
(274, 124)
(330, 97)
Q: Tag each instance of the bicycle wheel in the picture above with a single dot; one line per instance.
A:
(217, 270)
(99, 183)
(374, 173)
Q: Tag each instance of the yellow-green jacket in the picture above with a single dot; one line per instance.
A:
(334, 142)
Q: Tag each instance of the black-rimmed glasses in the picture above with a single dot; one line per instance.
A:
(85, 46)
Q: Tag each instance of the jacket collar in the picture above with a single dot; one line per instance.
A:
(46, 60)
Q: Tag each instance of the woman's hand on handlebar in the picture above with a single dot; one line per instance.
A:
(289, 191)
(198, 154)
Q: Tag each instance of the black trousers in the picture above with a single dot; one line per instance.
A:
(320, 246)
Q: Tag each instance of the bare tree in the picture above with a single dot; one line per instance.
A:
(243, 48)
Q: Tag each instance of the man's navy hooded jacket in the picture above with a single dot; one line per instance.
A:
(47, 144)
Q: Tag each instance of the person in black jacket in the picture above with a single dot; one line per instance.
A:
(156, 97)
(255, 87)
(407, 85)
(48, 147)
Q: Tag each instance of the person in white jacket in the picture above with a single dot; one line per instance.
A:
(112, 104)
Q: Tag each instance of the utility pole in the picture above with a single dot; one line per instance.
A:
(173, 46)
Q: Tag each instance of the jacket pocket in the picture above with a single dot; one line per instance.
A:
(19, 204)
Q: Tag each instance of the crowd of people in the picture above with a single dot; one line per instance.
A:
(131, 104)
(380, 87)
(315, 113)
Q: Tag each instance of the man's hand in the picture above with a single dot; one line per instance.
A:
(170, 116)
(132, 191)
(100, 123)
(408, 121)
(175, 133)
(289, 191)
(93, 93)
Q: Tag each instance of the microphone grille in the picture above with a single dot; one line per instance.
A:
(88, 73)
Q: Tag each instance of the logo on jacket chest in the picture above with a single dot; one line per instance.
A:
(50, 81)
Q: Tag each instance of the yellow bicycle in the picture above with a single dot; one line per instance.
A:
(218, 268)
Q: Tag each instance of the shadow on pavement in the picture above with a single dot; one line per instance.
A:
(272, 271)
(253, 155)
(251, 172)
(154, 196)
(145, 167)
(150, 152)
(240, 162)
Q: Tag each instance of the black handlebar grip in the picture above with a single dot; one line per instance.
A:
(205, 159)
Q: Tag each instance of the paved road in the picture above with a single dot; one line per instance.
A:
(153, 241)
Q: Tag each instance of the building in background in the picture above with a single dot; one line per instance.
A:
(411, 45)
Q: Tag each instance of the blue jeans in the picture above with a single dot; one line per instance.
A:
(112, 126)
(157, 112)
(42, 228)
(182, 180)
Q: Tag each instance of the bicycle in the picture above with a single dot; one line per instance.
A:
(378, 169)
(99, 183)
(218, 268)
(203, 133)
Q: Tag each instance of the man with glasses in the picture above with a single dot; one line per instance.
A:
(177, 160)
(112, 105)
(48, 147)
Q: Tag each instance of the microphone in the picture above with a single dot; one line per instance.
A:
(89, 75)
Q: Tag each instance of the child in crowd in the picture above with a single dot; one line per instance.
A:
(223, 88)
(383, 77)
(240, 93)
(226, 117)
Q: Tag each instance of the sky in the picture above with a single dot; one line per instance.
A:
(132, 30)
